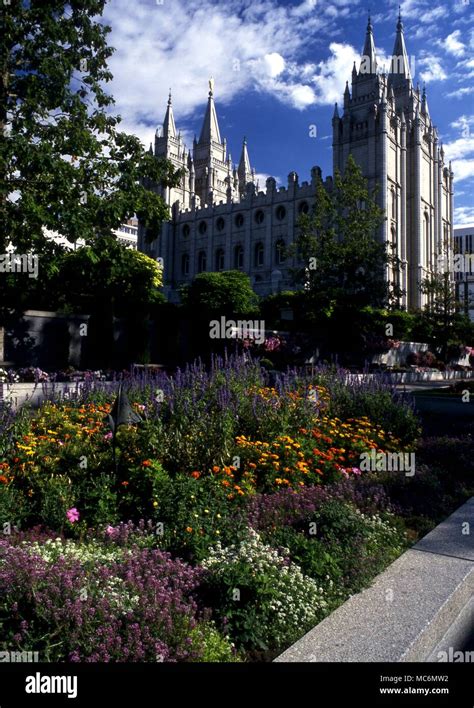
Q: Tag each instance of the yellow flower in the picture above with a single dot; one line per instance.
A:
(155, 504)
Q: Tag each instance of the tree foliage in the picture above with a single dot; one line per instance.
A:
(225, 293)
(64, 164)
(344, 262)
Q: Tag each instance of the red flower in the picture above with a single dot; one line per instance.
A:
(146, 463)
(196, 475)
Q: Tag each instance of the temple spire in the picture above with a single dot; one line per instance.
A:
(210, 127)
(244, 171)
(400, 66)
(169, 127)
(368, 64)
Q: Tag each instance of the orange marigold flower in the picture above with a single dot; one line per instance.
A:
(252, 465)
(195, 474)
(215, 468)
(3, 479)
(189, 529)
(146, 463)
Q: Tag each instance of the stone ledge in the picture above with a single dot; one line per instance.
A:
(408, 609)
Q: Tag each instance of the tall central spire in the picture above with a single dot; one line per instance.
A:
(169, 127)
(368, 64)
(210, 127)
(400, 66)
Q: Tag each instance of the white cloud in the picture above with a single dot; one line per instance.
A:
(244, 45)
(334, 72)
(461, 152)
(302, 96)
(464, 216)
(275, 64)
(433, 69)
(452, 44)
(460, 92)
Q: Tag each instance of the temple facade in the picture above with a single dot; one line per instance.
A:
(221, 220)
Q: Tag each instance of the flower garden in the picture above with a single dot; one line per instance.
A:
(222, 524)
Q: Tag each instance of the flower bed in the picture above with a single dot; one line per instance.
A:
(259, 521)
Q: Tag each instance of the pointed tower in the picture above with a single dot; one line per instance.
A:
(210, 157)
(245, 172)
(387, 128)
(169, 127)
(399, 76)
(169, 145)
(368, 63)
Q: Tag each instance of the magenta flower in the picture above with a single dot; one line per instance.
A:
(108, 436)
(72, 515)
(110, 530)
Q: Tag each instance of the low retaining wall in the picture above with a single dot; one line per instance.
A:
(18, 394)
(421, 605)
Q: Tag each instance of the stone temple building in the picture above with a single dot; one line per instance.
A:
(220, 220)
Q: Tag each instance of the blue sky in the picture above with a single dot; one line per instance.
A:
(278, 68)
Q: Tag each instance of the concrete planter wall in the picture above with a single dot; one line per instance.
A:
(18, 394)
(419, 609)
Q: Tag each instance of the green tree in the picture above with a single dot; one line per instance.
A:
(442, 323)
(64, 164)
(105, 279)
(226, 293)
(209, 297)
(344, 261)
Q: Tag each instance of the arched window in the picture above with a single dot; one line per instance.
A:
(202, 227)
(220, 224)
(186, 230)
(239, 257)
(426, 237)
(185, 264)
(239, 220)
(220, 259)
(393, 201)
(202, 261)
(303, 208)
(280, 254)
(393, 232)
(280, 213)
(259, 216)
(259, 254)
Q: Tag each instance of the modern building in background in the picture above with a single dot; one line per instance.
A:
(127, 234)
(464, 244)
(220, 220)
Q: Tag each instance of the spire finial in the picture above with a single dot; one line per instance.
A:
(400, 23)
(211, 87)
(169, 98)
(369, 22)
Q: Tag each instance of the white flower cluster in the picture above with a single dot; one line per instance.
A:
(376, 522)
(4, 378)
(91, 553)
(294, 600)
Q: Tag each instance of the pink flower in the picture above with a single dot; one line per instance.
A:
(110, 530)
(72, 515)
(141, 407)
(108, 436)
(356, 470)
